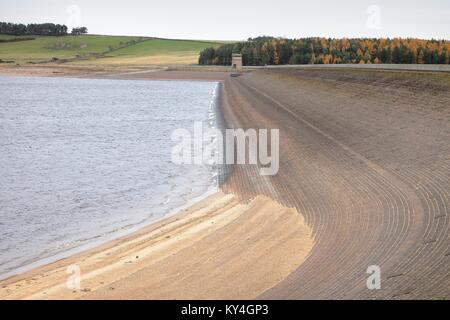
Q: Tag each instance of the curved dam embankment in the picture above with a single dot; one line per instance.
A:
(364, 180)
(364, 156)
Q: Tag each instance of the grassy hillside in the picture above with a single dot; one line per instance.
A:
(45, 48)
(104, 50)
(158, 51)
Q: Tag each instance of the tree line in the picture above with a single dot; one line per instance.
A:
(39, 29)
(281, 51)
(79, 31)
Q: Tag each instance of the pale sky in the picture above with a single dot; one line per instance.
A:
(240, 19)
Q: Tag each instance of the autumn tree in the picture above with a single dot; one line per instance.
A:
(278, 51)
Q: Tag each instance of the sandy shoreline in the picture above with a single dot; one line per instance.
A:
(217, 249)
(110, 72)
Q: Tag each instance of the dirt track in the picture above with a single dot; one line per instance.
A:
(364, 155)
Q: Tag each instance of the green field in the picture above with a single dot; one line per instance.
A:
(158, 52)
(102, 50)
(9, 37)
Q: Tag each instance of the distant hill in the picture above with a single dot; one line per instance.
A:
(100, 49)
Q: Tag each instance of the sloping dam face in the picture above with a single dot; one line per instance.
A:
(365, 157)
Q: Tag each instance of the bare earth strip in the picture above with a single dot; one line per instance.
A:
(365, 156)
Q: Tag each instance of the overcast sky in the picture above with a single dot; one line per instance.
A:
(240, 19)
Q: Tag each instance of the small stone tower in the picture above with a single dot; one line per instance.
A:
(236, 62)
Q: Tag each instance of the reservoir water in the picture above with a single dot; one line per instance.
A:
(86, 160)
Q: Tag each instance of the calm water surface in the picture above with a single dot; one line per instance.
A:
(84, 160)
